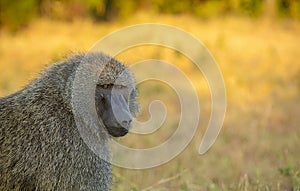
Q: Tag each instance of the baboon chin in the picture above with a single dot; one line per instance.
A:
(40, 144)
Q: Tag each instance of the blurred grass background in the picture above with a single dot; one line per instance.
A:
(256, 44)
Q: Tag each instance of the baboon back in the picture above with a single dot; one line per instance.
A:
(40, 146)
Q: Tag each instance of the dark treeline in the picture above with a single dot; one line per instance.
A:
(17, 13)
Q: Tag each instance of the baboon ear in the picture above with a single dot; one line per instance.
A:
(133, 105)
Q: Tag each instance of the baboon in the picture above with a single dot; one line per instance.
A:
(40, 146)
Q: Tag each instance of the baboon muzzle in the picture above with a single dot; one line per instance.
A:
(118, 117)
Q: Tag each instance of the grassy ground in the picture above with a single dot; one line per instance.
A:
(258, 148)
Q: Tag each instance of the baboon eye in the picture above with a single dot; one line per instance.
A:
(106, 86)
(119, 86)
(109, 86)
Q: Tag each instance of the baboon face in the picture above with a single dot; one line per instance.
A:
(113, 106)
(116, 103)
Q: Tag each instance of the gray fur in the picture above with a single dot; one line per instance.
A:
(40, 146)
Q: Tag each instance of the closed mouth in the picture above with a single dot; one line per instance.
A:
(117, 131)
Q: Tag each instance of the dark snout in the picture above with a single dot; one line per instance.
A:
(118, 119)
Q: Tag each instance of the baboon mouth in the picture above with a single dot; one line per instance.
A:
(117, 131)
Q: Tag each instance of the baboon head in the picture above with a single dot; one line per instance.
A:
(115, 98)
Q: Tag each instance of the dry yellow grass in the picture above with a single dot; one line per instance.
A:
(260, 63)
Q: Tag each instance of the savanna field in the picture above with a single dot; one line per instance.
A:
(258, 147)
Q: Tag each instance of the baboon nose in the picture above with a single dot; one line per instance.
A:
(126, 123)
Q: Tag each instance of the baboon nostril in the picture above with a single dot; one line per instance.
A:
(125, 123)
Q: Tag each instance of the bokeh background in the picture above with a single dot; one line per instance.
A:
(256, 44)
